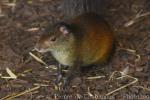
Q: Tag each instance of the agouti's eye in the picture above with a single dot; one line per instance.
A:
(53, 39)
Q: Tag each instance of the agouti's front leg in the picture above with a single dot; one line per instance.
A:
(72, 72)
(59, 74)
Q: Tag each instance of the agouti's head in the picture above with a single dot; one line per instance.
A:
(57, 37)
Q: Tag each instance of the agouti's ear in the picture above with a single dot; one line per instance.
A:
(63, 28)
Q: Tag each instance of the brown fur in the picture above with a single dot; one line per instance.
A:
(90, 41)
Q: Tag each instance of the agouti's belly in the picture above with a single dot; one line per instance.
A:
(67, 58)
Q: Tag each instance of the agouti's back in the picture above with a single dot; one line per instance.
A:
(94, 37)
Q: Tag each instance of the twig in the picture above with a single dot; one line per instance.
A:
(133, 52)
(89, 93)
(10, 4)
(131, 22)
(112, 76)
(94, 77)
(32, 29)
(40, 84)
(37, 59)
(10, 73)
(26, 71)
(135, 80)
(129, 50)
(20, 94)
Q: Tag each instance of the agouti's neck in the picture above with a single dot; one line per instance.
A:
(65, 56)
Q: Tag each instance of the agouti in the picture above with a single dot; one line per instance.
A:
(82, 41)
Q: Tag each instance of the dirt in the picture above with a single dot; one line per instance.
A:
(22, 22)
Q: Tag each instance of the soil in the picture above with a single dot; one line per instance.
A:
(21, 22)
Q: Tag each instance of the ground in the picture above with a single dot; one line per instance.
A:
(22, 21)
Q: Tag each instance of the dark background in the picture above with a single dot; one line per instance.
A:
(130, 20)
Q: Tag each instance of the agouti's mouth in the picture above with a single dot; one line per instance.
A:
(42, 50)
